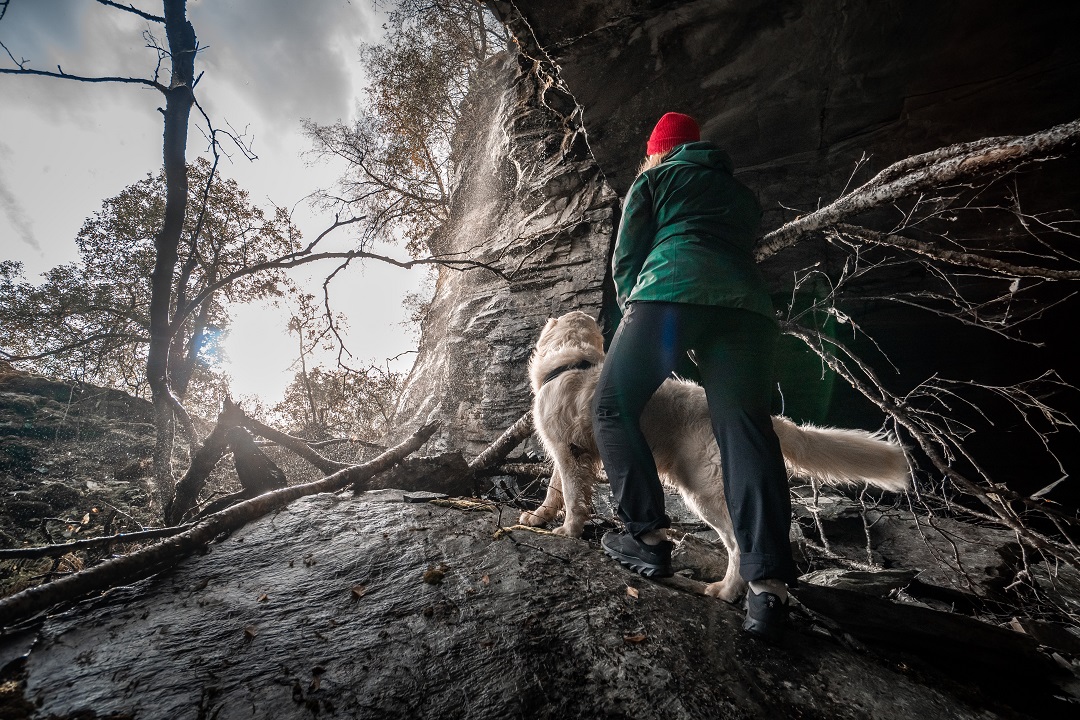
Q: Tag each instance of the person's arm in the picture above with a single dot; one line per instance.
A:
(634, 241)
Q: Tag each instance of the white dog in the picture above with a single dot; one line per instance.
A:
(563, 372)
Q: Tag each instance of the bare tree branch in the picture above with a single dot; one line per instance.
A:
(965, 259)
(71, 346)
(61, 549)
(131, 9)
(21, 69)
(903, 415)
(916, 174)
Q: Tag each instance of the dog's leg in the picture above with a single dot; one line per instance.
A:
(553, 503)
(578, 476)
(703, 491)
(732, 587)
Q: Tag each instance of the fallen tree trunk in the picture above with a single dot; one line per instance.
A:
(297, 445)
(145, 562)
(908, 177)
(494, 453)
(203, 461)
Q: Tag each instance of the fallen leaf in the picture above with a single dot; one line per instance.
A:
(263, 598)
(635, 638)
(250, 631)
(86, 518)
(358, 591)
(632, 592)
(486, 580)
(435, 575)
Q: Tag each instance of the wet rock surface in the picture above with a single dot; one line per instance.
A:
(373, 607)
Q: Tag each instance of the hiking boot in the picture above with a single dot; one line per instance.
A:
(647, 560)
(766, 615)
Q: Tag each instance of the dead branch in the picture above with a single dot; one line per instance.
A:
(297, 445)
(134, 10)
(904, 417)
(203, 461)
(142, 563)
(531, 469)
(496, 451)
(953, 257)
(928, 171)
(64, 548)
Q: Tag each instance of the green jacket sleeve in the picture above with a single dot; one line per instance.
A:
(637, 231)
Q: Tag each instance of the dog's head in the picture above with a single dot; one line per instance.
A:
(565, 340)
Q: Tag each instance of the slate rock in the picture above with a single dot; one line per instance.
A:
(270, 623)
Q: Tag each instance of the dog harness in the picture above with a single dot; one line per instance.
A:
(579, 365)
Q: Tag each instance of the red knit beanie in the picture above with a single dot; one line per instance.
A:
(672, 130)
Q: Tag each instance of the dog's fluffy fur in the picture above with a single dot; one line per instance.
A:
(677, 426)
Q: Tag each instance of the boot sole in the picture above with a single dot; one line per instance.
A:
(640, 566)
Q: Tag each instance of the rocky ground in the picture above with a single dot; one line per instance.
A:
(345, 606)
(73, 463)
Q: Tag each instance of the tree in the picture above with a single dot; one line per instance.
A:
(179, 93)
(90, 320)
(399, 150)
(321, 402)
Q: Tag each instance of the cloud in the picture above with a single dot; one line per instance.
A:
(287, 60)
(10, 207)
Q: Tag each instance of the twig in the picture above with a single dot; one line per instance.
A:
(65, 548)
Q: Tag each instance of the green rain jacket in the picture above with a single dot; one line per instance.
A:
(686, 235)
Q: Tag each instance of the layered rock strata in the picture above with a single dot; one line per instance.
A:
(531, 206)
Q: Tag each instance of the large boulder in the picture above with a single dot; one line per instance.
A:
(372, 607)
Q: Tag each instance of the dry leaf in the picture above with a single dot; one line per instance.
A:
(263, 598)
(358, 591)
(316, 678)
(250, 631)
(632, 592)
(86, 518)
(435, 575)
(635, 638)
(486, 580)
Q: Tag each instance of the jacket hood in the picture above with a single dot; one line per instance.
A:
(702, 153)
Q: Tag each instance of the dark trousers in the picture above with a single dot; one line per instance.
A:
(735, 351)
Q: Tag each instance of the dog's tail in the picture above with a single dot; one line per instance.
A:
(842, 457)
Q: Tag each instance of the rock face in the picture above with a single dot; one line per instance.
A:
(798, 92)
(530, 203)
(370, 607)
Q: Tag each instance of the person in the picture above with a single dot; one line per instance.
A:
(686, 280)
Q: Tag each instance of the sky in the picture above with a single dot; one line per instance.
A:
(67, 146)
